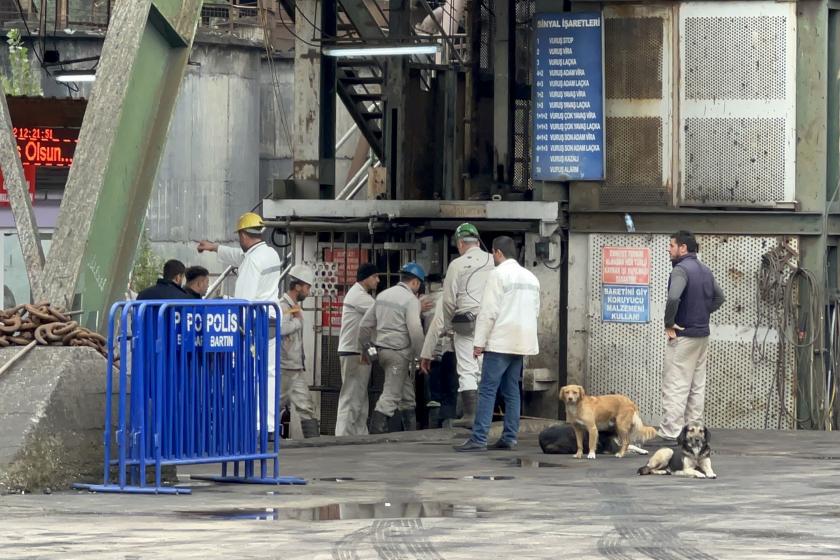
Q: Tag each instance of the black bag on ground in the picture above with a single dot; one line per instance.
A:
(560, 439)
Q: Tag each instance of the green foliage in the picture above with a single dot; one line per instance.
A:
(147, 265)
(22, 80)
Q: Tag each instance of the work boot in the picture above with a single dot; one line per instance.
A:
(470, 446)
(434, 417)
(469, 400)
(409, 420)
(378, 423)
(503, 445)
(310, 428)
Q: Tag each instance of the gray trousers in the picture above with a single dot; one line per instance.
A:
(398, 390)
(295, 390)
(683, 383)
(353, 399)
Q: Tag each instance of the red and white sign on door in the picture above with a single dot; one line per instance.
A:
(348, 263)
(29, 175)
(626, 265)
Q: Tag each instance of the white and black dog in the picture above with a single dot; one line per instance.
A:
(691, 457)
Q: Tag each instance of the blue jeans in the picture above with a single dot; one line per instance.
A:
(499, 372)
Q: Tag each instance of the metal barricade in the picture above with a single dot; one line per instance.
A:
(192, 387)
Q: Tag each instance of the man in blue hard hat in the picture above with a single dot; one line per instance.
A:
(392, 326)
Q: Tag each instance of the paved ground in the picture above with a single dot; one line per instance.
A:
(778, 496)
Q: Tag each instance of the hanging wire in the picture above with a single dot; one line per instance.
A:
(275, 80)
(798, 325)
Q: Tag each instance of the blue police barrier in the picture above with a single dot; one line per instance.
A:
(192, 388)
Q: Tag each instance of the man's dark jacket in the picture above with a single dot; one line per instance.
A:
(164, 289)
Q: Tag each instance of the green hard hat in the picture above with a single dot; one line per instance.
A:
(466, 230)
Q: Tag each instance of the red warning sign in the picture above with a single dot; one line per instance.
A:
(626, 265)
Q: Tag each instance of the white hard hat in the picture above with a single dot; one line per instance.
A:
(303, 273)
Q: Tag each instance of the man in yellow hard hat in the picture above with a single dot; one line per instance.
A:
(258, 278)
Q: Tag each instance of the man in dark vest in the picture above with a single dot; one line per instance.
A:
(693, 294)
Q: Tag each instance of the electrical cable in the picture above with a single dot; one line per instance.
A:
(274, 232)
(798, 325)
(30, 36)
(275, 80)
(295, 35)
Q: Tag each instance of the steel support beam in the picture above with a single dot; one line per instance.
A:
(503, 74)
(327, 113)
(811, 176)
(305, 148)
(27, 228)
(410, 209)
(143, 58)
(808, 224)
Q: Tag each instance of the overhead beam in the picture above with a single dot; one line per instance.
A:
(142, 63)
(699, 221)
(18, 189)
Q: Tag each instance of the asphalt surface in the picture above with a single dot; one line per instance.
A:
(777, 496)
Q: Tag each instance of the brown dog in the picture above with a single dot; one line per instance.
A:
(602, 413)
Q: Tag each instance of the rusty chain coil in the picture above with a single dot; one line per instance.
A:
(48, 326)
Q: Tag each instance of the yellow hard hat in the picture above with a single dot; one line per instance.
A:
(250, 221)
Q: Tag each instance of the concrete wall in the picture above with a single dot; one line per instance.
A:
(52, 410)
(226, 142)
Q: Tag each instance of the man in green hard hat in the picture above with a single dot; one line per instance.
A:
(463, 287)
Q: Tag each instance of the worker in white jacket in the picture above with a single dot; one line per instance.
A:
(505, 332)
(351, 419)
(258, 278)
(463, 287)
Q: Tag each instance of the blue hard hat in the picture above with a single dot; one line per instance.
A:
(415, 270)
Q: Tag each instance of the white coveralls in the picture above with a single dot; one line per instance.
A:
(395, 318)
(355, 376)
(258, 280)
(463, 288)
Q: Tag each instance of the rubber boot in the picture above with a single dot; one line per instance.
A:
(310, 428)
(434, 417)
(378, 423)
(409, 420)
(469, 400)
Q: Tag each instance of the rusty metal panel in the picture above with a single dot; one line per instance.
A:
(737, 133)
(634, 162)
(638, 81)
(633, 57)
(627, 358)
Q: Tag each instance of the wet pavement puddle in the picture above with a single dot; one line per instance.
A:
(337, 512)
(527, 463)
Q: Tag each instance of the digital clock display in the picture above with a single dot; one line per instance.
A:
(54, 147)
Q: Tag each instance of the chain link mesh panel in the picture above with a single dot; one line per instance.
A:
(485, 46)
(627, 358)
(522, 144)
